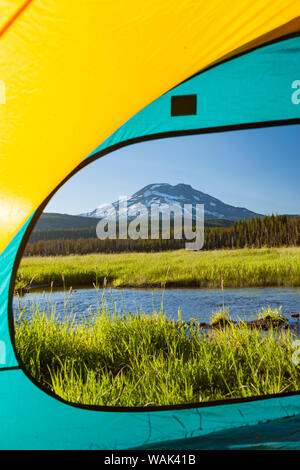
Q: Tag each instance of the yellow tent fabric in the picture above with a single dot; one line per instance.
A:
(75, 71)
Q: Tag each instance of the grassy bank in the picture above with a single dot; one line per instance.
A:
(239, 268)
(147, 360)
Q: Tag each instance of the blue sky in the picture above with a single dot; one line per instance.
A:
(256, 169)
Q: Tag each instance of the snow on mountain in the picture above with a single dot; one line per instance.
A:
(168, 195)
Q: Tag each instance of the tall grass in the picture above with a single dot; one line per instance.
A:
(143, 360)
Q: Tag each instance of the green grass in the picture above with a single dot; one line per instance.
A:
(145, 360)
(272, 314)
(238, 268)
(220, 317)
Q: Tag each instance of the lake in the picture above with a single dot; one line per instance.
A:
(195, 303)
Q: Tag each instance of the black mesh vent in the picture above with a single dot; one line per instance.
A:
(183, 105)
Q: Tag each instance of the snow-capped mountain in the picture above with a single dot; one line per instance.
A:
(168, 195)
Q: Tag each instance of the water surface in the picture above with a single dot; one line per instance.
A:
(195, 303)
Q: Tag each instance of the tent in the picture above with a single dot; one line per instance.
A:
(82, 79)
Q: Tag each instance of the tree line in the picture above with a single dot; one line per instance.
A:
(269, 231)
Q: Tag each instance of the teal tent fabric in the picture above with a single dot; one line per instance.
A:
(278, 434)
(31, 419)
(250, 89)
(7, 260)
(253, 88)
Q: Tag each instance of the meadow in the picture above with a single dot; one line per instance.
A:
(264, 267)
(111, 359)
(152, 360)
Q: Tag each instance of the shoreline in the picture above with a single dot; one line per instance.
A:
(264, 325)
(55, 288)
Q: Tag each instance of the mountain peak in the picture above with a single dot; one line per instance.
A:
(183, 185)
(170, 195)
